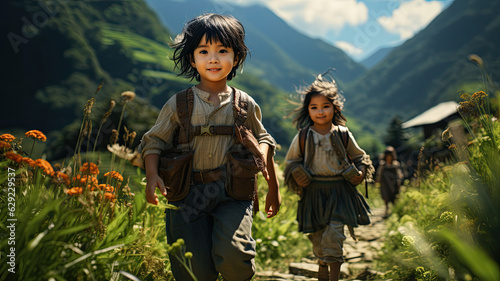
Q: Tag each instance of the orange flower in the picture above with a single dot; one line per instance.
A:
(4, 145)
(90, 168)
(36, 135)
(106, 187)
(7, 137)
(90, 181)
(60, 178)
(110, 196)
(114, 174)
(14, 156)
(45, 166)
(75, 190)
(29, 161)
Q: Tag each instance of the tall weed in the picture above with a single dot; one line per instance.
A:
(79, 221)
(446, 228)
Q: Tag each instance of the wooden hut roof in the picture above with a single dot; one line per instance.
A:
(432, 115)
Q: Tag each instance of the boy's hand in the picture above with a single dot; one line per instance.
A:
(153, 182)
(273, 202)
(273, 197)
(265, 173)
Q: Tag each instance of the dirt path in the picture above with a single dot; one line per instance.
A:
(359, 256)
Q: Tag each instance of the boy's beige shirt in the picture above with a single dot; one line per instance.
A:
(209, 151)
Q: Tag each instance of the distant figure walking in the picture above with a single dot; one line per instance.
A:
(389, 176)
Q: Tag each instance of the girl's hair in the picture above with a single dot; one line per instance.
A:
(325, 88)
(224, 29)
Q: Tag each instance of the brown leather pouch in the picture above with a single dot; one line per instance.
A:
(175, 170)
(241, 182)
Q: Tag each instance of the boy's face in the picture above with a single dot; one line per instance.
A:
(321, 110)
(213, 61)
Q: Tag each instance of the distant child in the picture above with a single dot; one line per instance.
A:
(324, 164)
(214, 125)
(389, 176)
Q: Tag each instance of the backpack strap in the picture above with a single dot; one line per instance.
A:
(240, 111)
(344, 135)
(302, 139)
(185, 104)
(240, 107)
(303, 133)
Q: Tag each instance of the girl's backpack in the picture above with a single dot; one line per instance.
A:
(345, 141)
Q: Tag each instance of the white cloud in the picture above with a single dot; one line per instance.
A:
(410, 17)
(348, 48)
(320, 16)
(315, 17)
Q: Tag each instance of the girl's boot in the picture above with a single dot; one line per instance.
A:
(323, 273)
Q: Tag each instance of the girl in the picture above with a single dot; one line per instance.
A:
(215, 226)
(318, 169)
(389, 176)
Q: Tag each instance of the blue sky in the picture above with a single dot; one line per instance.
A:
(359, 27)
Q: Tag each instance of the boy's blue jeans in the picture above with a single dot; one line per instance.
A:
(217, 230)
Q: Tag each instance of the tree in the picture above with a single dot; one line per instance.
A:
(395, 135)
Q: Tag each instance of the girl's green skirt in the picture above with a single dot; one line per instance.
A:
(331, 200)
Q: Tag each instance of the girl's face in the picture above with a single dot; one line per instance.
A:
(213, 61)
(321, 110)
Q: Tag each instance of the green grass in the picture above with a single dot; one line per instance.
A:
(445, 224)
(144, 50)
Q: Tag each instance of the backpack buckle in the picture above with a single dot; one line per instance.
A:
(205, 131)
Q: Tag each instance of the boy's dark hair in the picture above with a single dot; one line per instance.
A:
(325, 88)
(224, 29)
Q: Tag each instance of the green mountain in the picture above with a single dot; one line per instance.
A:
(376, 57)
(58, 52)
(279, 54)
(432, 66)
